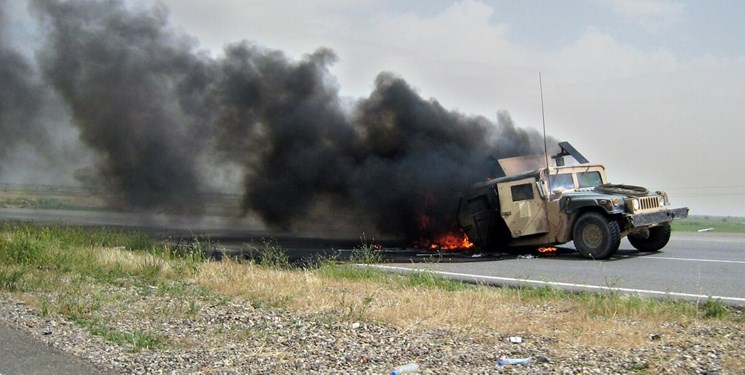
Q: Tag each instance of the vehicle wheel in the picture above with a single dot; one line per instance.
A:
(596, 237)
(658, 238)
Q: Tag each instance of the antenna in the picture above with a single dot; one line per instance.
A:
(545, 143)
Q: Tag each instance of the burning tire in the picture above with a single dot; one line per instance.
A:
(596, 237)
(657, 239)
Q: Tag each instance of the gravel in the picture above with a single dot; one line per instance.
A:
(235, 337)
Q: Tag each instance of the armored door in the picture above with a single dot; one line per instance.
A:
(522, 207)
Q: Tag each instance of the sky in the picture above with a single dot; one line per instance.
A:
(652, 89)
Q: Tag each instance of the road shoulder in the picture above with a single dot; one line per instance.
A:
(22, 354)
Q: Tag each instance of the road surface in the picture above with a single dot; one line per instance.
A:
(21, 354)
(692, 266)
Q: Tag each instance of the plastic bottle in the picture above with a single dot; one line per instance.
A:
(406, 369)
(513, 361)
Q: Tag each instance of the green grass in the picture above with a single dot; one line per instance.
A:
(718, 224)
(62, 267)
(431, 280)
(345, 271)
(139, 340)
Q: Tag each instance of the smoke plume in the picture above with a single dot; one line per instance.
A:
(119, 72)
(160, 114)
(20, 101)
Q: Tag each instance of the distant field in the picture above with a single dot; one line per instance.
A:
(49, 197)
(726, 224)
(78, 198)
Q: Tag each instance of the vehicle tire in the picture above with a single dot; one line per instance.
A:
(630, 190)
(596, 237)
(658, 238)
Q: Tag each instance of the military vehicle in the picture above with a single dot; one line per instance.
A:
(530, 205)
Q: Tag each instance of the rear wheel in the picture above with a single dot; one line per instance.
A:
(657, 239)
(596, 237)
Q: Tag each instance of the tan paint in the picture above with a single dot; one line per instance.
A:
(541, 214)
(523, 217)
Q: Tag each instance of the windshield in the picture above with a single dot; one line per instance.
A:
(561, 181)
(589, 179)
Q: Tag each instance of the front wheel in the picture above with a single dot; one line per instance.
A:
(596, 237)
(657, 239)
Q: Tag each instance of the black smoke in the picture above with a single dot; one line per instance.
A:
(119, 72)
(160, 114)
(21, 100)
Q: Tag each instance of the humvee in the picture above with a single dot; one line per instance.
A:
(533, 206)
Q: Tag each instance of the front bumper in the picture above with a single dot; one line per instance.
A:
(657, 217)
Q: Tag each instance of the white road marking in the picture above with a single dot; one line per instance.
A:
(560, 284)
(699, 260)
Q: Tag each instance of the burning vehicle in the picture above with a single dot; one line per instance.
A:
(530, 205)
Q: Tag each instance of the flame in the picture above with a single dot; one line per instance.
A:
(547, 250)
(446, 241)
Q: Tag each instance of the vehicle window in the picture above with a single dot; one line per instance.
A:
(561, 181)
(589, 179)
(522, 192)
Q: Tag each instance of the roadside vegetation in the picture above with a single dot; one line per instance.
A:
(96, 277)
(718, 224)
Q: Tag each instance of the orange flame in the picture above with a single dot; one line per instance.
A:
(452, 239)
(447, 241)
(547, 250)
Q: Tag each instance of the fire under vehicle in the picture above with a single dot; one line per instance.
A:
(546, 206)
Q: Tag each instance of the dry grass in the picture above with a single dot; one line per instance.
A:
(131, 262)
(470, 310)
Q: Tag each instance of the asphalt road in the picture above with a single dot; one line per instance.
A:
(693, 266)
(21, 354)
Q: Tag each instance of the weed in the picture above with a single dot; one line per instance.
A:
(193, 307)
(11, 278)
(138, 339)
(189, 255)
(149, 269)
(139, 241)
(639, 367)
(74, 307)
(45, 305)
(268, 254)
(367, 252)
(24, 248)
(714, 308)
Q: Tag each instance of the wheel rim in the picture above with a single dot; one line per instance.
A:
(592, 236)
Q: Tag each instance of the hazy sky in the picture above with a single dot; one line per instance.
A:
(654, 89)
